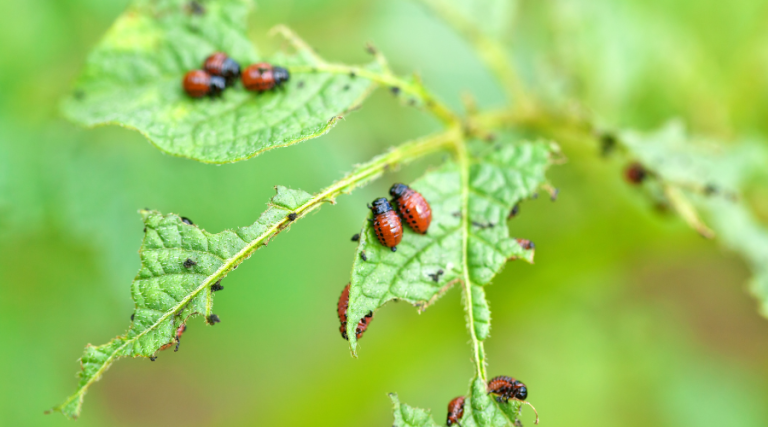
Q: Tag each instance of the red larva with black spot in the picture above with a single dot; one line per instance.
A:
(386, 224)
(506, 388)
(220, 64)
(342, 307)
(179, 331)
(198, 83)
(264, 76)
(526, 244)
(413, 207)
(455, 411)
(635, 173)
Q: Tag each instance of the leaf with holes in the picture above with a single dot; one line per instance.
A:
(133, 79)
(480, 410)
(179, 265)
(426, 266)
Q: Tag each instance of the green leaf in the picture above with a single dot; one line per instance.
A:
(179, 263)
(480, 410)
(500, 176)
(710, 176)
(133, 79)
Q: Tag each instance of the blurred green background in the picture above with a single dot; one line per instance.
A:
(628, 318)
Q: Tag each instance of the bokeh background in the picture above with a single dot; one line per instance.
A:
(628, 318)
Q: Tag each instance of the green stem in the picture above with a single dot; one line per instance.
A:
(478, 351)
(491, 52)
(410, 89)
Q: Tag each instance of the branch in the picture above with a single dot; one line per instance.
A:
(414, 89)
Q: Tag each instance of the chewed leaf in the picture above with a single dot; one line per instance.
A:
(133, 79)
(179, 264)
(426, 266)
(710, 176)
(480, 410)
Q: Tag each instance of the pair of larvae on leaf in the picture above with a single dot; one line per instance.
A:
(220, 72)
(411, 207)
(388, 226)
(505, 388)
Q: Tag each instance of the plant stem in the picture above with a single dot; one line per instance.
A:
(462, 158)
(413, 90)
(491, 52)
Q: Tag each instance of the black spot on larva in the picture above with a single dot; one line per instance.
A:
(217, 286)
(411, 102)
(292, 216)
(213, 319)
(186, 220)
(145, 229)
(352, 74)
(490, 137)
(371, 49)
(356, 237)
(710, 189)
(300, 84)
(79, 95)
(362, 255)
(535, 196)
(456, 214)
(132, 316)
(189, 263)
(346, 87)
(395, 90)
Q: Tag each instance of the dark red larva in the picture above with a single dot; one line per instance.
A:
(413, 207)
(264, 76)
(386, 224)
(506, 388)
(198, 83)
(220, 64)
(455, 410)
(526, 244)
(635, 173)
(342, 307)
(179, 331)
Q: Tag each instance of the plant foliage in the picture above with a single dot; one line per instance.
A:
(132, 78)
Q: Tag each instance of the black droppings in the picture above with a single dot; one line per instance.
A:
(356, 237)
(362, 255)
(395, 90)
(482, 226)
(186, 220)
(189, 263)
(607, 143)
(152, 358)
(132, 316)
(371, 49)
(710, 189)
(535, 196)
(217, 286)
(79, 95)
(490, 137)
(292, 216)
(145, 229)
(457, 214)
(554, 194)
(411, 102)
(436, 275)
(213, 319)
(300, 84)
